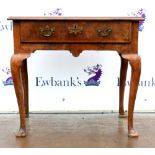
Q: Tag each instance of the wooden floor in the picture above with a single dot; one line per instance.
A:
(77, 131)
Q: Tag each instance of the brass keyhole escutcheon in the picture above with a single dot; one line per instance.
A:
(75, 29)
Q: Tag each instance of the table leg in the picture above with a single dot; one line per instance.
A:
(123, 73)
(135, 63)
(16, 70)
(25, 86)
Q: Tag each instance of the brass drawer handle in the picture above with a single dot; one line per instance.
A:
(75, 29)
(103, 32)
(47, 31)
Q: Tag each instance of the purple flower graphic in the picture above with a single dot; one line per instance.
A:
(6, 70)
(8, 80)
(56, 12)
(139, 13)
(94, 79)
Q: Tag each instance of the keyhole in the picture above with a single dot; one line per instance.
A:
(75, 27)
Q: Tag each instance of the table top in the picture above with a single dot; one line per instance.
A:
(75, 18)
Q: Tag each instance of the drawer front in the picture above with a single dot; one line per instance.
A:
(75, 31)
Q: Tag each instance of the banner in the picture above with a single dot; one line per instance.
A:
(59, 81)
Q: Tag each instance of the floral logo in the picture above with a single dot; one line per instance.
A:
(139, 13)
(7, 78)
(56, 12)
(95, 72)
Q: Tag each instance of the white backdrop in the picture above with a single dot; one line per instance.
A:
(62, 66)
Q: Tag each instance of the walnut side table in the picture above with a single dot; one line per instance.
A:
(75, 34)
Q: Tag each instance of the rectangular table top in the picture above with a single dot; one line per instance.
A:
(75, 18)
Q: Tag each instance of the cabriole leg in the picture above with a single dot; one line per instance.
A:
(16, 70)
(25, 86)
(135, 63)
(123, 73)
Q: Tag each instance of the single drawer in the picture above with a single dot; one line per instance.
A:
(75, 31)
